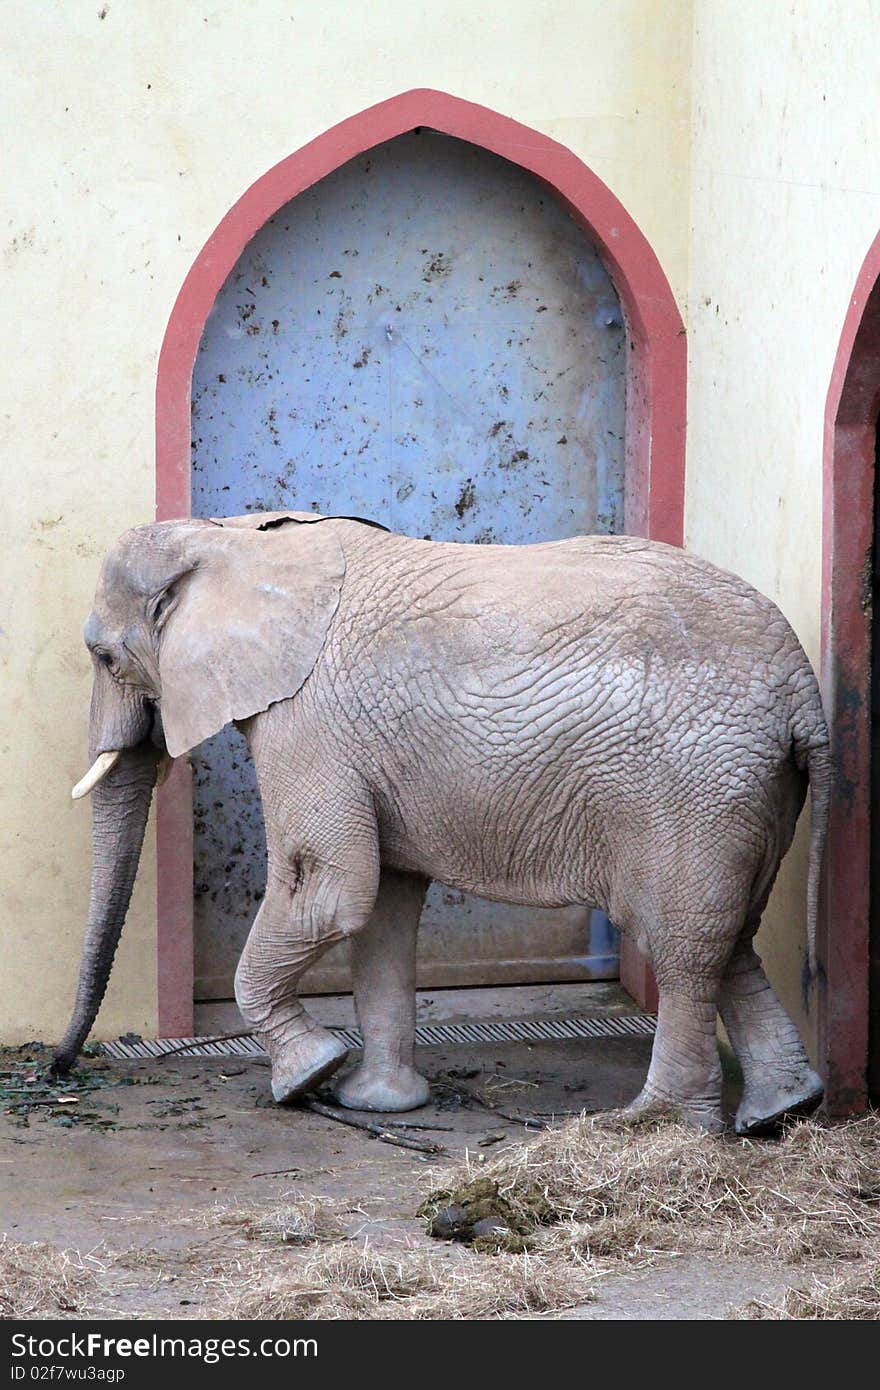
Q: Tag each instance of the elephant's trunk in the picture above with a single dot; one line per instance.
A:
(120, 807)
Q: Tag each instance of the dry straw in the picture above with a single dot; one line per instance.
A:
(344, 1282)
(613, 1190)
(37, 1281)
(848, 1298)
(298, 1221)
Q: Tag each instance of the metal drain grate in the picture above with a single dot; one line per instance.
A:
(427, 1034)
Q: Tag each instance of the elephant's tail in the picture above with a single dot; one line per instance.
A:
(817, 756)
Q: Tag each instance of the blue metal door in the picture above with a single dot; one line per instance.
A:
(427, 338)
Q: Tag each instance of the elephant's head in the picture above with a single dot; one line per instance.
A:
(195, 624)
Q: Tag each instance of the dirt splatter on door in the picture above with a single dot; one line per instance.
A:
(427, 338)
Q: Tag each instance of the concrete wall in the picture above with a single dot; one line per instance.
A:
(129, 130)
(785, 203)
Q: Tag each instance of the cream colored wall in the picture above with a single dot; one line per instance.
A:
(126, 139)
(785, 181)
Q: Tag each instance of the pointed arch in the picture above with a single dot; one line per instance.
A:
(655, 418)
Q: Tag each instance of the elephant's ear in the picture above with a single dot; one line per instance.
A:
(244, 624)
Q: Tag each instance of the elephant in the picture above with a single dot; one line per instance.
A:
(604, 721)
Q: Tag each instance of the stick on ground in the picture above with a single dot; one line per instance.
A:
(378, 1131)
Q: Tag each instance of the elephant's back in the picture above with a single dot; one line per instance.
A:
(587, 594)
(594, 568)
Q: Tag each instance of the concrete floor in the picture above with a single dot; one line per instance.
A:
(157, 1142)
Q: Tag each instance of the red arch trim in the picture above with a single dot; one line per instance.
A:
(656, 393)
(847, 541)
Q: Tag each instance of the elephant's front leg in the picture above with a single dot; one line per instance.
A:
(384, 969)
(304, 912)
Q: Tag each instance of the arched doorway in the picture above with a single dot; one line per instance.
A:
(654, 446)
(426, 338)
(850, 936)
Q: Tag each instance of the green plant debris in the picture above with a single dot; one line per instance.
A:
(29, 1091)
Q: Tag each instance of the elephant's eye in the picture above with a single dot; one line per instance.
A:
(105, 658)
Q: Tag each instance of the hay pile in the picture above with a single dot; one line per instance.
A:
(37, 1281)
(344, 1278)
(854, 1296)
(300, 1221)
(607, 1189)
(342, 1282)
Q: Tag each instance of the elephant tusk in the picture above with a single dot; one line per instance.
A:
(163, 772)
(104, 763)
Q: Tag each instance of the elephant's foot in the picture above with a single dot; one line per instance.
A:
(699, 1113)
(779, 1080)
(378, 1088)
(300, 1065)
(767, 1103)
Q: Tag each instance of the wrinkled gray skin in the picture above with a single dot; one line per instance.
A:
(603, 721)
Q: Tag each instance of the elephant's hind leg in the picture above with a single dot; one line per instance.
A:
(384, 969)
(303, 913)
(689, 957)
(685, 1072)
(778, 1077)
